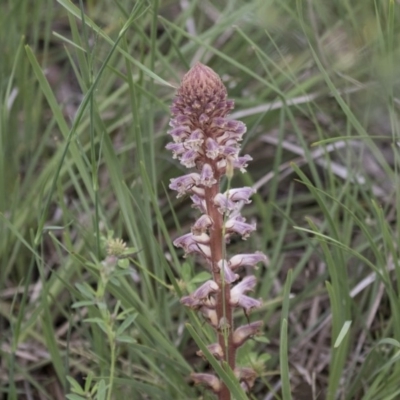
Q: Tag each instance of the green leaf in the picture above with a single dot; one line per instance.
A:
(75, 387)
(186, 271)
(128, 321)
(342, 333)
(126, 339)
(124, 263)
(86, 290)
(201, 277)
(99, 322)
(75, 397)
(83, 303)
(101, 390)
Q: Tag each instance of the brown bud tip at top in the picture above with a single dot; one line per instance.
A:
(202, 83)
(201, 97)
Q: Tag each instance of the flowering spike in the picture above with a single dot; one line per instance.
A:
(206, 139)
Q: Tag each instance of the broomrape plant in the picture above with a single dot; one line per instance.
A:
(205, 139)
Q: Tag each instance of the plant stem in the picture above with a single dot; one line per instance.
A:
(224, 311)
(112, 369)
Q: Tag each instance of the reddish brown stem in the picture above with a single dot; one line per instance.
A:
(223, 308)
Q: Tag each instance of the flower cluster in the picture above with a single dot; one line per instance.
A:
(204, 138)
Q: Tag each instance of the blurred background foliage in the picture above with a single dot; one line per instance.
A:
(85, 89)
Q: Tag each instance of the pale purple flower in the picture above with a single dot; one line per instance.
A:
(239, 128)
(241, 162)
(238, 225)
(235, 126)
(219, 122)
(247, 260)
(207, 176)
(226, 272)
(229, 138)
(212, 148)
(246, 302)
(184, 183)
(210, 107)
(228, 151)
(224, 204)
(244, 332)
(199, 202)
(201, 225)
(180, 120)
(241, 194)
(246, 285)
(188, 159)
(215, 349)
(209, 380)
(195, 140)
(238, 299)
(194, 244)
(203, 119)
(189, 237)
(205, 290)
(201, 296)
(176, 148)
(180, 133)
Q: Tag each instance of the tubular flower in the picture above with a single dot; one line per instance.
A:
(247, 260)
(206, 139)
(208, 380)
(215, 349)
(246, 376)
(245, 332)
